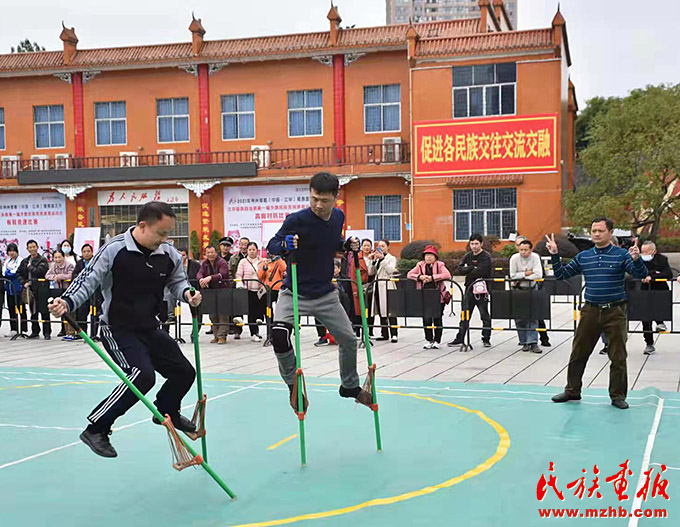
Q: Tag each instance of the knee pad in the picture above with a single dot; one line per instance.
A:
(281, 337)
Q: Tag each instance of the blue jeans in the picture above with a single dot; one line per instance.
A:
(526, 329)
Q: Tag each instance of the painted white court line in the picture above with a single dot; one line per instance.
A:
(41, 454)
(645, 462)
(37, 427)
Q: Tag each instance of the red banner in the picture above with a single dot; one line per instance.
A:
(486, 145)
(206, 219)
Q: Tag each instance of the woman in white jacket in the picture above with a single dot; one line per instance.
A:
(247, 272)
(381, 265)
(525, 268)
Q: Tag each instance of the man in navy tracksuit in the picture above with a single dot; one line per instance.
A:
(315, 234)
(133, 270)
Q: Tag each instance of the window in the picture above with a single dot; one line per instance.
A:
(484, 89)
(238, 116)
(485, 211)
(173, 120)
(110, 123)
(2, 128)
(115, 219)
(383, 215)
(305, 113)
(48, 122)
(382, 108)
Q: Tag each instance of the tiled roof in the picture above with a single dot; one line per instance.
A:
(485, 181)
(486, 42)
(436, 38)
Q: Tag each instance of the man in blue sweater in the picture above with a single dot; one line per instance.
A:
(604, 268)
(315, 234)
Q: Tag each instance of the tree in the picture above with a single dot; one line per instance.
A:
(633, 163)
(25, 46)
(584, 123)
(195, 245)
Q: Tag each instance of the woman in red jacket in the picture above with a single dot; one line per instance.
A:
(432, 274)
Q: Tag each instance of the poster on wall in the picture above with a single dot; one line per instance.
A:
(257, 212)
(39, 216)
(83, 235)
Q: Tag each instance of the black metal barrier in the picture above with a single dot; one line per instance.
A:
(404, 302)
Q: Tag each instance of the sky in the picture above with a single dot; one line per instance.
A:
(616, 45)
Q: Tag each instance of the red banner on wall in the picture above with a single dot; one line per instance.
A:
(486, 145)
(206, 219)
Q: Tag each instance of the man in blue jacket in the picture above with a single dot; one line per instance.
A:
(315, 234)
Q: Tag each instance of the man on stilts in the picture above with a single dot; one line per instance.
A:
(133, 270)
(315, 235)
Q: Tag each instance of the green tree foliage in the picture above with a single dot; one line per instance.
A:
(26, 46)
(584, 122)
(195, 245)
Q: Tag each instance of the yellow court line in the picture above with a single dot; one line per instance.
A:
(53, 384)
(277, 445)
(501, 451)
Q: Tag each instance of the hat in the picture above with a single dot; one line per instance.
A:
(228, 240)
(432, 250)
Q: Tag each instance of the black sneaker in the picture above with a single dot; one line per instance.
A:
(382, 338)
(545, 343)
(180, 423)
(47, 337)
(321, 342)
(564, 397)
(360, 395)
(33, 336)
(621, 404)
(456, 342)
(210, 332)
(486, 343)
(99, 443)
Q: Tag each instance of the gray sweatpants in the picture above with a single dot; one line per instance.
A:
(330, 312)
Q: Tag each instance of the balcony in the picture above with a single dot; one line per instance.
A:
(261, 158)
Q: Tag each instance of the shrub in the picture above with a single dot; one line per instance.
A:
(215, 240)
(404, 265)
(414, 250)
(195, 246)
(669, 244)
(508, 250)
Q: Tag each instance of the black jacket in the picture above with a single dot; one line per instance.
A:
(475, 267)
(658, 267)
(31, 269)
(192, 269)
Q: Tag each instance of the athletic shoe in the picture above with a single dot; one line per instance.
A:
(649, 349)
(564, 397)
(456, 342)
(435, 346)
(526, 347)
(180, 423)
(428, 346)
(68, 338)
(661, 327)
(545, 343)
(321, 342)
(222, 341)
(33, 336)
(382, 338)
(214, 341)
(360, 395)
(209, 332)
(256, 338)
(535, 349)
(621, 404)
(604, 351)
(47, 337)
(12, 334)
(394, 340)
(99, 443)
(486, 343)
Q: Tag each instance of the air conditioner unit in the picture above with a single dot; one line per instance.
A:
(9, 166)
(391, 150)
(166, 157)
(40, 162)
(62, 161)
(261, 155)
(129, 159)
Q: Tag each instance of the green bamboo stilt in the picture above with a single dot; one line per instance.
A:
(199, 376)
(116, 369)
(298, 360)
(367, 345)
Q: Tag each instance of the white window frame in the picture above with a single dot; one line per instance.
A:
(49, 127)
(304, 110)
(484, 87)
(382, 216)
(173, 116)
(110, 119)
(237, 113)
(381, 104)
(2, 131)
(486, 212)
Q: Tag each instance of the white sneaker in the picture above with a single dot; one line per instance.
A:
(661, 327)
(12, 334)
(394, 340)
(256, 338)
(428, 346)
(434, 346)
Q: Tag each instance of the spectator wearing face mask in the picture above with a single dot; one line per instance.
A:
(658, 267)
(69, 255)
